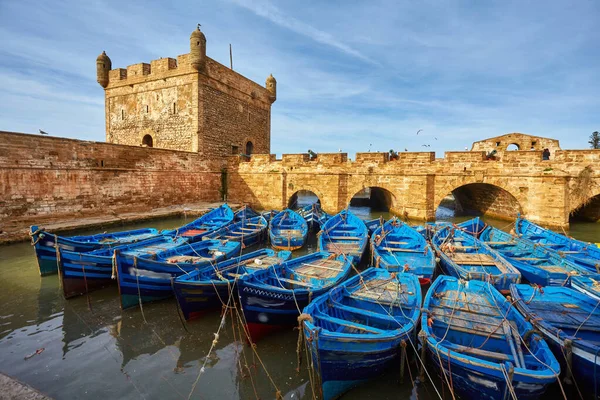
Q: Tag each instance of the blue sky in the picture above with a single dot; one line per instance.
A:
(350, 73)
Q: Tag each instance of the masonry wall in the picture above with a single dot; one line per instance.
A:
(42, 175)
(216, 111)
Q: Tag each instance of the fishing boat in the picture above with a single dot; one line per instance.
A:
(582, 253)
(314, 215)
(46, 243)
(373, 224)
(147, 278)
(273, 298)
(209, 288)
(359, 328)
(398, 247)
(269, 214)
(244, 213)
(481, 346)
(587, 284)
(247, 231)
(536, 264)
(207, 223)
(288, 230)
(344, 233)
(82, 273)
(466, 257)
(570, 323)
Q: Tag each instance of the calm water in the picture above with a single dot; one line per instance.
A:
(89, 348)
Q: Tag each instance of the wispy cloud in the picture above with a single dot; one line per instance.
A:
(270, 12)
(350, 75)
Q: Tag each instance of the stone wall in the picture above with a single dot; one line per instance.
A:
(41, 175)
(546, 191)
(215, 111)
(522, 141)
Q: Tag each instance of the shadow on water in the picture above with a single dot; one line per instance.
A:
(88, 348)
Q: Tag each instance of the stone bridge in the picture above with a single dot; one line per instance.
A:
(415, 184)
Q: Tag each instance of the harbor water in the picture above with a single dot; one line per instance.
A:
(87, 348)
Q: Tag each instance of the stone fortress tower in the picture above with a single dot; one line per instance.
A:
(192, 103)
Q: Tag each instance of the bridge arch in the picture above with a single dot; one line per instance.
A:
(478, 198)
(587, 210)
(303, 197)
(376, 197)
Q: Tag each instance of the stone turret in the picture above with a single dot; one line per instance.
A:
(103, 65)
(271, 85)
(198, 49)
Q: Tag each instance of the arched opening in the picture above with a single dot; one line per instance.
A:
(588, 212)
(479, 199)
(249, 148)
(303, 198)
(147, 140)
(372, 202)
(512, 147)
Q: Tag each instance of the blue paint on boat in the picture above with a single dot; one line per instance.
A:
(360, 327)
(314, 215)
(82, 273)
(202, 290)
(207, 223)
(247, 231)
(587, 284)
(477, 341)
(466, 257)
(45, 244)
(582, 253)
(373, 224)
(537, 264)
(144, 278)
(273, 298)
(288, 230)
(570, 323)
(344, 233)
(398, 247)
(244, 212)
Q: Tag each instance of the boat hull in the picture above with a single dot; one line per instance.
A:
(197, 298)
(82, 273)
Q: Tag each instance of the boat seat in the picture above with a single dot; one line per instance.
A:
(350, 324)
(295, 282)
(366, 313)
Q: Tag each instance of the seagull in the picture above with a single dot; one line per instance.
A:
(419, 131)
(370, 144)
(426, 145)
(435, 138)
(405, 149)
(42, 132)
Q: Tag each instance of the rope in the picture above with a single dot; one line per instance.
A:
(137, 279)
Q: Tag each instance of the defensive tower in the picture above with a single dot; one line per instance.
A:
(192, 103)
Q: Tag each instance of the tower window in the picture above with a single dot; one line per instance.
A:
(147, 109)
(147, 141)
(235, 150)
(122, 114)
(174, 108)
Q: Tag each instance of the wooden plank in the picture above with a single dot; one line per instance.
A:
(479, 352)
(248, 229)
(344, 237)
(350, 324)
(295, 282)
(512, 242)
(391, 249)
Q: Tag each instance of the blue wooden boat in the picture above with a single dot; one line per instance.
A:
(269, 214)
(359, 328)
(247, 231)
(344, 233)
(570, 323)
(314, 215)
(466, 257)
(587, 284)
(207, 289)
(273, 298)
(288, 230)
(207, 223)
(373, 224)
(144, 278)
(537, 264)
(478, 342)
(45, 244)
(82, 273)
(244, 213)
(398, 247)
(584, 254)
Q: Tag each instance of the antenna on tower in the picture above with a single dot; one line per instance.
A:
(230, 57)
